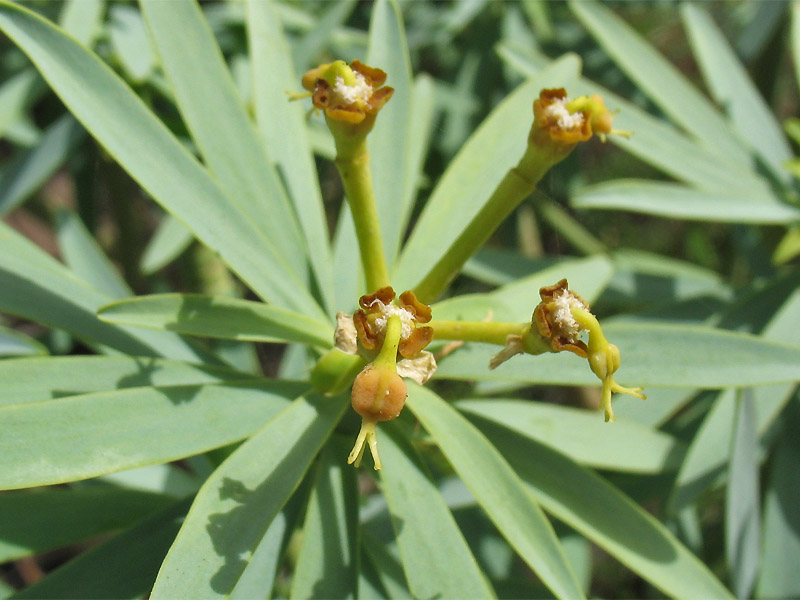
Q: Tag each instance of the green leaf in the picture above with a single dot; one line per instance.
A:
(131, 42)
(652, 355)
(168, 243)
(316, 40)
(34, 286)
(742, 505)
(606, 516)
(36, 379)
(681, 202)
(497, 489)
(431, 546)
(142, 145)
(583, 437)
(123, 567)
(167, 480)
(58, 517)
(82, 19)
(235, 506)
(645, 279)
(731, 87)
(661, 81)
(15, 95)
(467, 183)
(14, 343)
(498, 266)
(393, 174)
(203, 86)
(24, 174)
(779, 575)
(328, 561)
(788, 247)
(84, 436)
(284, 132)
(387, 568)
(218, 317)
(84, 256)
(707, 458)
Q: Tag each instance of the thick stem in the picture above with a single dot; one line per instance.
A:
(476, 331)
(352, 160)
(517, 185)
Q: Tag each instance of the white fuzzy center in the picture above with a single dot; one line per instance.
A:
(564, 302)
(558, 110)
(387, 310)
(351, 94)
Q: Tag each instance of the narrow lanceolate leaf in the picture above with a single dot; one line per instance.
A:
(708, 454)
(214, 113)
(682, 202)
(742, 505)
(36, 379)
(86, 259)
(29, 169)
(779, 575)
(583, 437)
(498, 490)
(607, 517)
(143, 146)
(430, 543)
(168, 243)
(389, 141)
(235, 507)
(732, 88)
(14, 343)
(35, 286)
(58, 517)
(284, 132)
(218, 317)
(468, 182)
(85, 436)
(328, 560)
(661, 81)
(652, 355)
(123, 567)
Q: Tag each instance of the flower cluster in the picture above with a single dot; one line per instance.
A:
(389, 334)
(347, 93)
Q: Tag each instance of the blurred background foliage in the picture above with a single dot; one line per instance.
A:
(56, 184)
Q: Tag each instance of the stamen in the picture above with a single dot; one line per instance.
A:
(352, 94)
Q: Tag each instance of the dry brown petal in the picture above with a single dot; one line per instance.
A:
(366, 336)
(384, 295)
(421, 312)
(375, 77)
(413, 344)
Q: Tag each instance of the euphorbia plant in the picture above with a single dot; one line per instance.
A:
(265, 492)
(382, 332)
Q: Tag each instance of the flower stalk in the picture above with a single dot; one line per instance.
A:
(559, 125)
(352, 163)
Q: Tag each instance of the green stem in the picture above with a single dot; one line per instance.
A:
(387, 357)
(517, 185)
(352, 160)
(476, 331)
